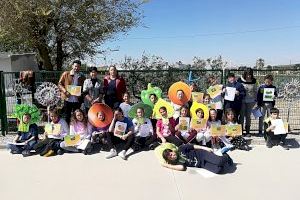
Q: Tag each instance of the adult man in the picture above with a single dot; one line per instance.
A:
(67, 82)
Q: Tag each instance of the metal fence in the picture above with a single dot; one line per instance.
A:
(138, 80)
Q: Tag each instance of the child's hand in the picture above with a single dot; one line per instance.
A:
(272, 127)
(237, 93)
(163, 140)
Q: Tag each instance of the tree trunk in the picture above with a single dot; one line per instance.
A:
(44, 55)
(59, 54)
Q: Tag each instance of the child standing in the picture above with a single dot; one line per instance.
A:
(265, 105)
(126, 104)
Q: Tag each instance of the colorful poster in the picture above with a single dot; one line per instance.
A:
(120, 128)
(74, 90)
(198, 124)
(269, 94)
(72, 140)
(234, 130)
(52, 129)
(279, 127)
(230, 93)
(214, 91)
(217, 130)
(184, 123)
(197, 96)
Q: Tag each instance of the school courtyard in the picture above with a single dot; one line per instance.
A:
(260, 174)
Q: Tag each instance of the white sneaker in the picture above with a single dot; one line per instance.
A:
(129, 151)
(122, 154)
(112, 153)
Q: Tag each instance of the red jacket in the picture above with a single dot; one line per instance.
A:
(120, 86)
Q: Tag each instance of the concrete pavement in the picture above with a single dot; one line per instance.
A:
(260, 174)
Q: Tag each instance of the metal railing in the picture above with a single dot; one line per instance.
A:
(138, 80)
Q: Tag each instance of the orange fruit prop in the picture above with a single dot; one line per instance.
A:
(172, 93)
(93, 115)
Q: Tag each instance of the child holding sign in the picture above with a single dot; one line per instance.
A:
(266, 99)
(78, 127)
(182, 128)
(236, 139)
(202, 135)
(54, 135)
(270, 136)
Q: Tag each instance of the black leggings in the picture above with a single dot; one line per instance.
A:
(212, 162)
(113, 140)
(173, 139)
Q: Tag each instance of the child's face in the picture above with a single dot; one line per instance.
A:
(119, 115)
(231, 79)
(140, 112)
(206, 100)
(126, 98)
(184, 112)
(172, 156)
(93, 74)
(163, 112)
(76, 67)
(200, 114)
(79, 116)
(101, 116)
(112, 71)
(213, 115)
(180, 94)
(153, 99)
(230, 116)
(54, 118)
(274, 115)
(268, 82)
(26, 119)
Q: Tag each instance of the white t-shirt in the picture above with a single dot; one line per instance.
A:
(125, 108)
(147, 128)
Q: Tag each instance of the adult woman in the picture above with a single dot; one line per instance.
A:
(92, 89)
(114, 88)
(250, 85)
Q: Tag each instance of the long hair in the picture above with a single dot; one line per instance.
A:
(74, 119)
(228, 111)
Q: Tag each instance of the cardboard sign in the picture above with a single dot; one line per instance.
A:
(214, 91)
(184, 123)
(198, 124)
(234, 130)
(197, 96)
(269, 94)
(120, 128)
(211, 106)
(52, 129)
(72, 140)
(217, 130)
(230, 93)
(74, 90)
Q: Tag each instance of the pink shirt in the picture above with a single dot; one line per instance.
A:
(164, 130)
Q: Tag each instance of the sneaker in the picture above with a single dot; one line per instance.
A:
(26, 153)
(269, 143)
(112, 153)
(129, 151)
(60, 152)
(122, 154)
(15, 152)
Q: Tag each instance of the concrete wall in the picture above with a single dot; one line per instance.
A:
(5, 63)
(23, 62)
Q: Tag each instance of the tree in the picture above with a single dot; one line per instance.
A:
(62, 30)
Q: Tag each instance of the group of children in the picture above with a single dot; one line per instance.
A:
(129, 128)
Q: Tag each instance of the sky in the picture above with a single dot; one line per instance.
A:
(241, 31)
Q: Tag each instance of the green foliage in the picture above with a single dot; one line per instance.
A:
(21, 109)
(60, 30)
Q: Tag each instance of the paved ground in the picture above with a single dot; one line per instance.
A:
(260, 174)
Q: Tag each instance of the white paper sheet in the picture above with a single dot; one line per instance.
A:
(279, 127)
(256, 113)
(230, 93)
